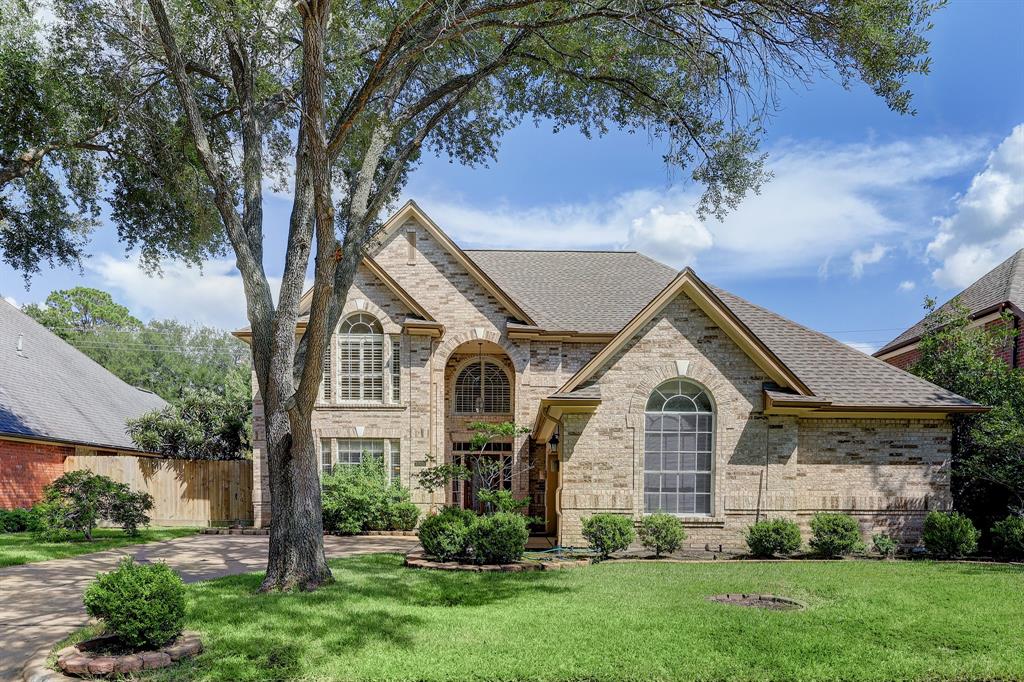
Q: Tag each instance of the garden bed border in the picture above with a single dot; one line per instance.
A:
(421, 560)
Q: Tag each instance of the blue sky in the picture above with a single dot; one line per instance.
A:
(868, 211)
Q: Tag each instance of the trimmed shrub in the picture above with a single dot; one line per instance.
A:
(404, 516)
(773, 536)
(19, 520)
(359, 497)
(78, 500)
(608, 533)
(949, 535)
(884, 545)
(143, 604)
(1008, 537)
(661, 533)
(498, 538)
(835, 535)
(445, 536)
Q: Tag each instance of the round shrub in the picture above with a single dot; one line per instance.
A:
(949, 535)
(661, 533)
(143, 604)
(445, 536)
(773, 536)
(404, 516)
(835, 535)
(499, 538)
(884, 544)
(1008, 537)
(19, 520)
(608, 533)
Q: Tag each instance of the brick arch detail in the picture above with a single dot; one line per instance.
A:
(698, 372)
(451, 343)
(369, 308)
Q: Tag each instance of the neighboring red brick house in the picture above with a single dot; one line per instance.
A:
(999, 290)
(55, 402)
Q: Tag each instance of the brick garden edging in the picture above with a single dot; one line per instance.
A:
(420, 560)
(266, 531)
(74, 661)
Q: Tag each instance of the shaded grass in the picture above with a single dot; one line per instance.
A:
(25, 548)
(617, 621)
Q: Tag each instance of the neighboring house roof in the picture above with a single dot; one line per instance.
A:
(580, 291)
(52, 391)
(1002, 286)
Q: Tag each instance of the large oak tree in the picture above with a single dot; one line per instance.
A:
(175, 114)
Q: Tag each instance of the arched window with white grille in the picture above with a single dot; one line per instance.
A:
(679, 421)
(482, 387)
(360, 359)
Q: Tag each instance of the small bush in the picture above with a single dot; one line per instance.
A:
(1008, 537)
(498, 538)
(445, 536)
(404, 516)
(608, 533)
(19, 520)
(949, 535)
(144, 605)
(835, 535)
(884, 544)
(773, 537)
(357, 498)
(78, 500)
(661, 533)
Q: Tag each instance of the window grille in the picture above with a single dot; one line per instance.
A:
(678, 428)
(361, 359)
(482, 388)
(396, 370)
(326, 388)
(352, 451)
(326, 461)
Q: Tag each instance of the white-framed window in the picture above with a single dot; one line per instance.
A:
(335, 452)
(360, 360)
(679, 421)
(482, 387)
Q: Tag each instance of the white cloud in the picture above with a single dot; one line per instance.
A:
(825, 202)
(860, 258)
(907, 285)
(213, 296)
(866, 348)
(988, 224)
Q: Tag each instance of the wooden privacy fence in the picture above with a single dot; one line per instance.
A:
(185, 492)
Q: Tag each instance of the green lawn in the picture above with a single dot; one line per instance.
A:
(865, 620)
(25, 548)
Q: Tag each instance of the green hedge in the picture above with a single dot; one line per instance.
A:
(359, 497)
(143, 604)
(608, 533)
(949, 535)
(773, 537)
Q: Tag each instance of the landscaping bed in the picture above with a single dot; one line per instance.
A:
(864, 620)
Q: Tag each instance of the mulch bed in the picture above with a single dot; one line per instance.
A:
(421, 560)
(758, 601)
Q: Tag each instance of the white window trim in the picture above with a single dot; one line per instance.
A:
(390, 447)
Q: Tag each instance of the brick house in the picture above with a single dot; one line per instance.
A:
(645, 389)
(999, 291)
(55, 402)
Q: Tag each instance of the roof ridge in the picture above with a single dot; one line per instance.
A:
(554, 251)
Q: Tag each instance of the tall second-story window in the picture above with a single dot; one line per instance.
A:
(360, 359)
(482, 387)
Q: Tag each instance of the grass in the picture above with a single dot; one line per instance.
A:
(26, 548)
(865, 620)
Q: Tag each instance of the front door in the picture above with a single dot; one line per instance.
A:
(488, 470)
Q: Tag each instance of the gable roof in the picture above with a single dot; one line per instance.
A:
(812, 369)
(411, 211)
(596, 292)
(1001, 286)
(52, 391)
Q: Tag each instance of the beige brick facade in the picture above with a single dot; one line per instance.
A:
(885, 471)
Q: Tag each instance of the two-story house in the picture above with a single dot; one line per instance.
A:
(645, 389)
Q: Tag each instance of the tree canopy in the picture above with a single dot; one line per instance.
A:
(176, 115)
(988, 457)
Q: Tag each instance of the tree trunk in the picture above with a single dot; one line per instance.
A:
(296, 558)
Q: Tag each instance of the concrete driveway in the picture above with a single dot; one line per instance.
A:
(41, 603)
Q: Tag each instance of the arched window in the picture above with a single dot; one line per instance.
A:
(360, 359)
(678, 423)
(482, 388)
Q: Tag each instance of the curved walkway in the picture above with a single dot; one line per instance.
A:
(41, 603)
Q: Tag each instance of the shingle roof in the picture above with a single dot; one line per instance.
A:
(52, 391)
(594, 292)
(1003, 284)
(601, 291)
(834, 371)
